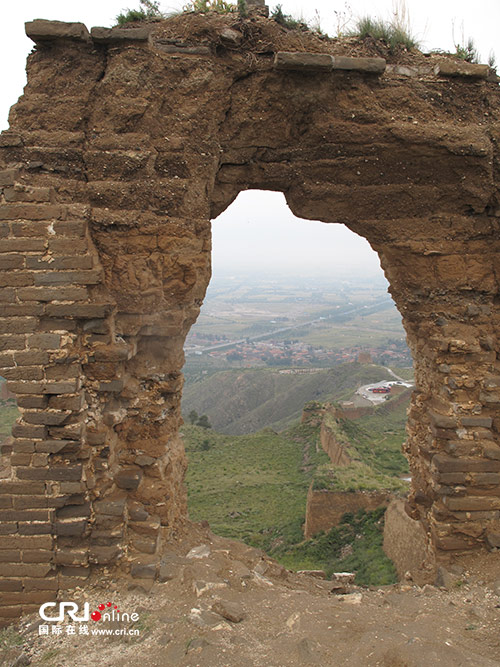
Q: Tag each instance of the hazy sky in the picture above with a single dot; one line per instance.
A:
(259, 224)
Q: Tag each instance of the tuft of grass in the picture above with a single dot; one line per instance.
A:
(393, 33)
(149, 9)
(205, 6)
(291, 23)
(467, 51)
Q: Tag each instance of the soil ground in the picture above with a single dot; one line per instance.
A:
(288, 619)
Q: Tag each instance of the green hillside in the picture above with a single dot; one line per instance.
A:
(242, 401)
(254, 488)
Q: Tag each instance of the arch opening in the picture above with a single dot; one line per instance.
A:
(288, 381)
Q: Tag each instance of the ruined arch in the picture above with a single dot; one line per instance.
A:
(124, 145)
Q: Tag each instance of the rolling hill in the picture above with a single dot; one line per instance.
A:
(240, 401)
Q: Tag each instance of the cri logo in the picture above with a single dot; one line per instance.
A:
(71, 609)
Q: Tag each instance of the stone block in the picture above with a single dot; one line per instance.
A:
(48, 278)
(104, 555)
(55, 446)
(54, 473)
(231, 611)
(73, 511)
(140, 570)
(448, 67)
(70, 528)
(41, 31)
(52, 293)
(303, 62)
(84, 311)
(110, 507)
(366, 65)
(448, 464)
(113, 386)
(112, 35)
(472, 503)
(128, 478)
(49, 418)
(8, 177)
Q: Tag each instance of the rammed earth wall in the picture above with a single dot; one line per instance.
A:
(123, 147)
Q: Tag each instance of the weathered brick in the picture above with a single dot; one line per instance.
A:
(66, 246)
(70, 432)
(449, 464)
(35, 528)
(12, 342)
(5, 502)
(25, 515)
(7, 295)
(485, 478)
(111, 386)
(32, 401)
(31, 358)
(66, 473)
(7, 528)
(66, 402)
(73, 511)
(28, 194)
(46, 417)
(6, 360)
(78, 310)
(71, 557)
(22, 488)
(30, 229)
(56, 446)
(19, 387)
(62, 263)
(8, 177)
(63, 372)
(24, 570)
(14, 261)
(46, 584)
(26, 542)
(17, 459)
(68, 387)
(25, 597)
(73, 228)
(53, 293)
(23, 445)
(10, 612)
(16, 278)
(18, 325)
(48, 324)
(40, 459)
(31, 212)
(11, 585)
(23, 373)
(22, 245)
(91, 277)
(10, 556)
(30, 502)
(45, 341)
(28, 431)
(71, 528)
(19, 309)
(472, 503)
(96, 437)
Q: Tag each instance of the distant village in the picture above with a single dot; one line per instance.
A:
(294, 353)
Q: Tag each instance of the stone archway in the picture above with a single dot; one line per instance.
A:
(124, 146)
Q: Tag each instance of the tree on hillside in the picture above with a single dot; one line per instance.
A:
(193, 417)
(204, 422)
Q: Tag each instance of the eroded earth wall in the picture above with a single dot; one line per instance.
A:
(122, 148)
